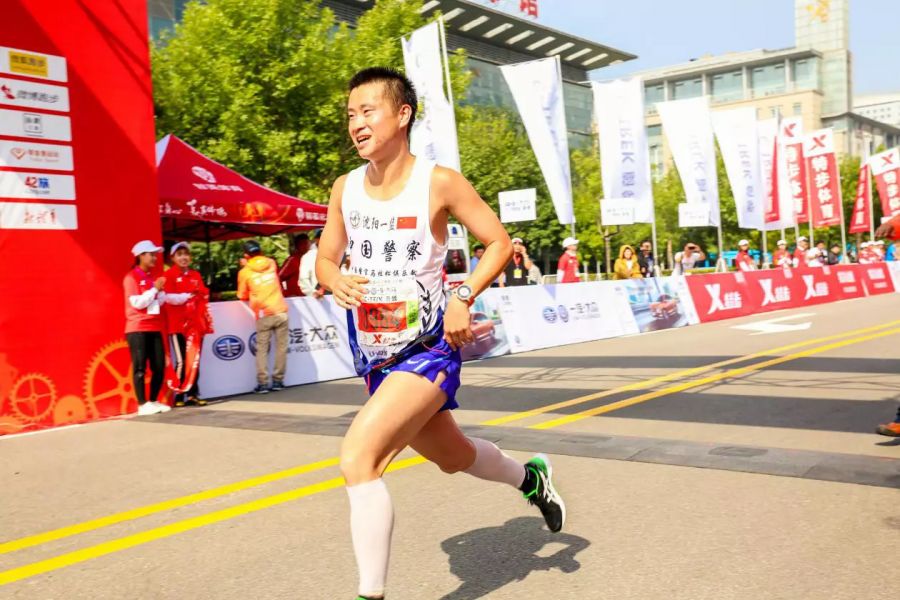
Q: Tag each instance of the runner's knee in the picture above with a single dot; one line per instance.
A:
(359, 465)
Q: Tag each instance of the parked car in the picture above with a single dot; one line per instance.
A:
(482, 327)
(664, 307)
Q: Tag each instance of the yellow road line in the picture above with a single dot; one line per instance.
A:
(710, 379)
(640, 385)
(224, 490)
(104, 548)
(150, 509)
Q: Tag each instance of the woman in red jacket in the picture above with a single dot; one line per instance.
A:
(182, 279)
(145, 323)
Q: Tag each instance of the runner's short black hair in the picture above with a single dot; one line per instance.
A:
(397, 88)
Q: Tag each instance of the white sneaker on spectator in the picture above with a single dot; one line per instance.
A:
(148, 408)
(161, 407)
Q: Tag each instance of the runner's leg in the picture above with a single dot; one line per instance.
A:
(391, 418)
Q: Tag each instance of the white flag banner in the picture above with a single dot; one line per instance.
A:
(736, 131)
(689, 130)
(693, 215)
(624, 157)
(617, 211)
(791, 171)
(537, 90)
(434, 131)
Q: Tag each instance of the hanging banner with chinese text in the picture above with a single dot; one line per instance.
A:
(536, 87)
(688, 128)
(886, 172)
(861, 220)
(736, 131)
(434, 131)
(518, 205)
(822, 175)
(767, 131)
(624, 158)
(792, 182)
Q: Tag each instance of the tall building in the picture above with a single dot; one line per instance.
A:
(490, 38)
(813, 80)
(880, 107)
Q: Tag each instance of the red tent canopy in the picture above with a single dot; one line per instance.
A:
(201, 200)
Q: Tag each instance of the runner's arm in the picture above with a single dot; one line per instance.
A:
(465, 205)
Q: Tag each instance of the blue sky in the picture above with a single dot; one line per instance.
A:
(665, 32)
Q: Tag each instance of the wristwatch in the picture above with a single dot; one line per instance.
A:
(464, 293)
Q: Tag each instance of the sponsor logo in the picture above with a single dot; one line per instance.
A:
(32, 124)
(774, 294)
(563, 313)
(17, 152)
(549, 314)
(305, 339)
(28, 64)
(815, 289)
(229, 347)
(719, 301)
(7, 92)
(301, 214)
(203, 174)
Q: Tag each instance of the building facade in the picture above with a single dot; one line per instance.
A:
(879, 107)
(490, 38)
(811, 80)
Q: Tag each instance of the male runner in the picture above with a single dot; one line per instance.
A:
(405, 334)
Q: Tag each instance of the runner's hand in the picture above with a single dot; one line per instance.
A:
(348, 290)
(160, 283)
(457, 324)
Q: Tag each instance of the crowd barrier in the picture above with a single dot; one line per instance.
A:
(520, 319)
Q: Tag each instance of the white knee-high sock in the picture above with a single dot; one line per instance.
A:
(492, 464)
(371, 525)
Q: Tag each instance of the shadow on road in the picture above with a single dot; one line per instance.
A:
(487, 559)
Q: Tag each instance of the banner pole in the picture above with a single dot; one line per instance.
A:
(653, 235)
(843, 231)
(762, 260)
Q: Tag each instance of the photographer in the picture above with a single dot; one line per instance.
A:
(687, 258)
(516, 271)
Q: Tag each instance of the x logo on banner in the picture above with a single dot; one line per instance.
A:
(887, 159)
(788, 130)
(819, 141)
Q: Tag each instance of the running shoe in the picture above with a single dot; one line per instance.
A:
(163, 408)
(889, 429)
(541, 493)
(147, 408)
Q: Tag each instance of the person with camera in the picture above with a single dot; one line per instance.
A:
(516, 271)
(687, 259)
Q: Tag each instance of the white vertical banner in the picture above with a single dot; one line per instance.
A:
(434, 131)
(537, 89)
(791, 179)
(736, 131)
(767, 130)
(689, 131)
(624, 156)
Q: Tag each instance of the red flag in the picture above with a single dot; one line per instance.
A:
(861, 221)
(822, 178)
(886, 171)
(773, 203)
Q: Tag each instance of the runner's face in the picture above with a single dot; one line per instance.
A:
(182, 258)
(373, 121)
(147, 260)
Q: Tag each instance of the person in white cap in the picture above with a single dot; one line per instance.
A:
(879, 249)
(865, 255)
(800, 251)
(781, 257)
(743, 260)
(145, 323)
(567, 267)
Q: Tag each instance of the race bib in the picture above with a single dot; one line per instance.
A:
(389, 313)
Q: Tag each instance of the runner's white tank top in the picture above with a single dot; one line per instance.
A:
(391, 244)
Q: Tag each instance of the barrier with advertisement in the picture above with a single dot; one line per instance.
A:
(894, 268)
(659, 302)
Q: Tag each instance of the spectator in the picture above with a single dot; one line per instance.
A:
(866, 255)
(781, 257)
(516, 271)
(800, 251)
(182, 279)
(893, 252)
(309, 285)
(834, 255)
(687, 258)
(289, 274)
(822, 248)
(534, 275)
(258, 284)
(814, 258)
(627, 265)
(743, 260)
(646, 259)
(477, 253)
(455, 263)
(144, 324)
(567, 267)
(878, 247)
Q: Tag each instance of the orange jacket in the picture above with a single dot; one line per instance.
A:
(258, 283)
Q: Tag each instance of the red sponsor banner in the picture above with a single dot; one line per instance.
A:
(876, 278)
(886, 172)
(720, 296)
(791, 140)
(822, 178)
(773, 201)
(774, 289)
(844, 282)
(861, 220)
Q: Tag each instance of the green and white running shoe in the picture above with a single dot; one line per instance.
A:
(538, 490)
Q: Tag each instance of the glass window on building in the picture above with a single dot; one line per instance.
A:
(687, 88)
(774, 111)
(158, 25)
(805, 74)
(727, 87)
(652, 95)
(798, 109)
(767, 80)
(655, 147)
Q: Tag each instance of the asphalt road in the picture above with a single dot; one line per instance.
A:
(701, 463)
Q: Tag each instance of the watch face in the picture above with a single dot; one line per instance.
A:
(464, 292)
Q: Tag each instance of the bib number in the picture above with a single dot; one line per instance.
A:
(389, 313)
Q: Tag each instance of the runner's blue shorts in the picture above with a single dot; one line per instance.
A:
(427, 360)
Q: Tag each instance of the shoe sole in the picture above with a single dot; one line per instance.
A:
(887, 432)
(555, 494)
